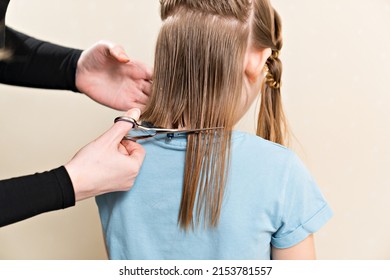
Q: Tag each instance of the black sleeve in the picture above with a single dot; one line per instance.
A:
(27, 196)
(38, 64)
(3, 11)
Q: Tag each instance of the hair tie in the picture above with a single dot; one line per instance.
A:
(275, 54)
(274, 85)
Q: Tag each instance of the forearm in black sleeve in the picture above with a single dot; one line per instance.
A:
(38, 64)
(27, 196)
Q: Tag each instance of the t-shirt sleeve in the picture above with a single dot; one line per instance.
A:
(304, 209)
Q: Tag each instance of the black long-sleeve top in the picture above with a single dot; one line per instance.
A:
(38, 64)
(27, 196)
(35, 63)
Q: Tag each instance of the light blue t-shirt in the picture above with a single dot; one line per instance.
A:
(270, 198)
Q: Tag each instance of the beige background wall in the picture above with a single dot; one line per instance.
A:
(337, 98)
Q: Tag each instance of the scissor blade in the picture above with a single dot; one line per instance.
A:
(141, 134)
(194, 130)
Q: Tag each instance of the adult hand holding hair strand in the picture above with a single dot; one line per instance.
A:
(106, 74)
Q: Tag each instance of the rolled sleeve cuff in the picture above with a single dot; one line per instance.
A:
(303, 231)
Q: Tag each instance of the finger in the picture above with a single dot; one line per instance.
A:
(119, 53)
(138, 105)
(122, 149)
(140, 97)
(135, 151)
(143, 72)
(149, 73)
(121, 128)
(147, 87)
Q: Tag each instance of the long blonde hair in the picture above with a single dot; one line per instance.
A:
(198, 81)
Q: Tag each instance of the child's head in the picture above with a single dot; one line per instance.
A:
(212, 59)
(210, 64)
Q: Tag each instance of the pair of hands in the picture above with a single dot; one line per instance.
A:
(106, 74)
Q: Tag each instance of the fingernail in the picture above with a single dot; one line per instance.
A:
(124, 57)
(135, 113)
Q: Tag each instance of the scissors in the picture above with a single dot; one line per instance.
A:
(141, 132)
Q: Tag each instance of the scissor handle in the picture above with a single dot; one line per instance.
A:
(126, 119)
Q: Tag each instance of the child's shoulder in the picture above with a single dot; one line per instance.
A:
(261, 152)
(250, 146)
(253, 141)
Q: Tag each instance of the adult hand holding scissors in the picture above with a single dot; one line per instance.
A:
(107, 164)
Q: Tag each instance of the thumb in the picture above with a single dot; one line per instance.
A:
(120, 129)
(117, 52)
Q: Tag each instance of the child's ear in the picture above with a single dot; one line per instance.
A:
(255, 60)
